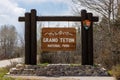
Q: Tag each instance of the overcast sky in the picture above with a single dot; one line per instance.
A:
(10, 10)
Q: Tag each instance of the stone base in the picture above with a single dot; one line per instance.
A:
(57, 70)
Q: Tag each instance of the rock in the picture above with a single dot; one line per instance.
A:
(59, 70)
(49, 73)
(13, 71)
(95, 73)
(19, 66)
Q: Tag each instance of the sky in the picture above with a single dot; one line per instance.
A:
(10, 10)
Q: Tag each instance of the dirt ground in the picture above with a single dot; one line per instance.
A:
(61, 78)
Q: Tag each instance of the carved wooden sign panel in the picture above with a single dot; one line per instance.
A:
(58, 39)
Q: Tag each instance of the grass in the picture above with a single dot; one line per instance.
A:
(110, 73)
(116, 71)
(3, 72)
(75, 64)
(43, 64)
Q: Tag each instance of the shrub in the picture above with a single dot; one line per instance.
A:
(116, 71)
(60, 57)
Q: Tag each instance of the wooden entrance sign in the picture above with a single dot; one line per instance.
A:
(86, 19)
(58, 39)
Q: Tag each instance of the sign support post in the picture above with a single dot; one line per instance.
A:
(33, 38)
(90, 40)
(87, 37)
(27, 38)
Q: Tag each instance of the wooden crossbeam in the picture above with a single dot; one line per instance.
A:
(59, 18)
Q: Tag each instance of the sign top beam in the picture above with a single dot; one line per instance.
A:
(59, 18)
